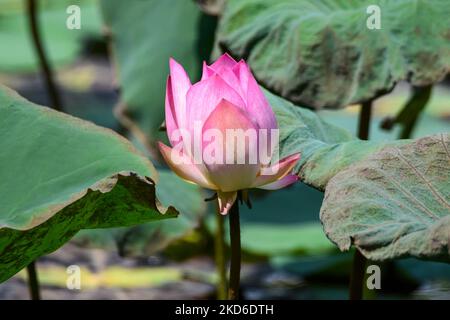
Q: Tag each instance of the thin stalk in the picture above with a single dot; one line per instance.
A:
(415, 106)
(410, 113)
(235, 264)
(46, 70)
(33, 282)
(55, 101)
(364, 120)
(359, 261)
(357, 276)
(219, 251)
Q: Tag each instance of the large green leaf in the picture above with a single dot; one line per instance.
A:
(145, 239)
(321, 54)
(145, 34)
(395, 203)
(60, 174)
(325, 149)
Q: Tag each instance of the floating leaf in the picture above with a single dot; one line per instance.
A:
(60, 174)
(145, 239)
(395, 203)
(321, 53)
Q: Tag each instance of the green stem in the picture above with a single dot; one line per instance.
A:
(55, 100)
(359, 261)
(33, 282)
(235, 264)
(219, 244)
(52, 91)
(364, 120)
(414, 107)
(357, 276)
(410, 113)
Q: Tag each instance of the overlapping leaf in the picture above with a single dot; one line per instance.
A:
(321, 53)
(60, 174)
(395, 203)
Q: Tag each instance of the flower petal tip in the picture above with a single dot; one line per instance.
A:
(281, 183)
(226, 201)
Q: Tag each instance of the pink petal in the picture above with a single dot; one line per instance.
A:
(171, 123)
(258, 106)
(241, 71)
(226, 201)
(186, 169)
(225, 175)
(283, 182)
(228, 76)
(280, 169)
(207, 71)
(205, 95)
(225, 61)
(180, 84)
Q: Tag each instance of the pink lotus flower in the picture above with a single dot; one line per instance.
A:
(227, 97)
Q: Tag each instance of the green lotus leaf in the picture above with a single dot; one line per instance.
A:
(145, 239)
(322, 54)
(326, 149)
(60, 174)
(395, 203)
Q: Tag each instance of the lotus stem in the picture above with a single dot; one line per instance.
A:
(219, 250)
(357, 276)
(33, 282)
(364, 120)
(46, 70)
(235, 243)
(359, 261)
(32, 10)
(410, 113)
(414, 107)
